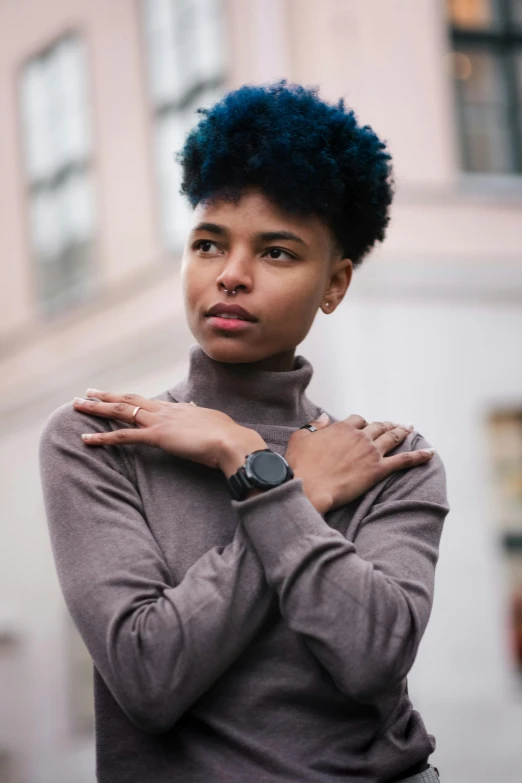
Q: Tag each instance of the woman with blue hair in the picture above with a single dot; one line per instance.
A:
(252, 576)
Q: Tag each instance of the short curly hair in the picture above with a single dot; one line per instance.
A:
(307, 156)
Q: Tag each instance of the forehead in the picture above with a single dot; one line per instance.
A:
(254, 212)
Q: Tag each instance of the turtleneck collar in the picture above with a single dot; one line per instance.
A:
(247, 394)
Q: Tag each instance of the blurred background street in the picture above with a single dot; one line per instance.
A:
(96, 96)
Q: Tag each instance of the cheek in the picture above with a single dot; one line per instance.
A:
(300, 301)
(192, 284)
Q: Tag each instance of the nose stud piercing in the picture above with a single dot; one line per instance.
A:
(230, 292)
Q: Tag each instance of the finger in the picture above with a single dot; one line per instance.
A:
(377, 428)
(116, 410)
(406, 459)
(320, 423)
(121, 437)
(131, 399)
(356, 421)
(392, 438)
(192, 403)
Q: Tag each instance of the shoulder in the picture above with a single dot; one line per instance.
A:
(62, 451)
(64, 421)
(62, 431)
(67, 420)
(60, 444)
(427, 480)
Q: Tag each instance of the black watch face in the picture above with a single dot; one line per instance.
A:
(269, 468)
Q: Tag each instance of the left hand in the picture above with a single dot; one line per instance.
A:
(184, 429)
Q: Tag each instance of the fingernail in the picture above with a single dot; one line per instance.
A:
(87, 436)
(323, 417)
(429, 452)
(80, 399)
(94, 392)
(408, 426)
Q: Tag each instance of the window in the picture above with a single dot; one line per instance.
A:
(487, 73)
(505, 437)
(58, 168)
(186, 58)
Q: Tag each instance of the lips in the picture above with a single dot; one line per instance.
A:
(230, 312)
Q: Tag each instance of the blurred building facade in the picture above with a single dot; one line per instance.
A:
(95, 98)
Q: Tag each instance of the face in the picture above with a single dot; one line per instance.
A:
(283, 269)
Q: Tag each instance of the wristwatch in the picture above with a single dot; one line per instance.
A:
(263, 469)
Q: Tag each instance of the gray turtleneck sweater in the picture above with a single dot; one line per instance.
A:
(249, 640)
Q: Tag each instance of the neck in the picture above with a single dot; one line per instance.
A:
(280, 362)
(268, 392)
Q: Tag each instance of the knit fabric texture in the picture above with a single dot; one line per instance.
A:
(242, 640)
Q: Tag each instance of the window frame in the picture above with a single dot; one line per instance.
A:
(160, 110)
(58, 305)
(503, 41)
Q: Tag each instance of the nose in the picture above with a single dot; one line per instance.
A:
(236, 273)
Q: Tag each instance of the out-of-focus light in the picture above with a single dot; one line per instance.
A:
(470, 13)
(459, 65)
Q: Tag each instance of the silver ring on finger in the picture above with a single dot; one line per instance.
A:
(134, 412)
(308, 427)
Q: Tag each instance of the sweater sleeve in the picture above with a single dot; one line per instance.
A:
(362, 606)
(157, 645)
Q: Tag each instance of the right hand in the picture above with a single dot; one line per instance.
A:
(341, 461)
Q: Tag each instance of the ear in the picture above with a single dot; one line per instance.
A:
(338, 283)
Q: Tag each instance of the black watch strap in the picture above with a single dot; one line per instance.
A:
(239, 484)
(247, 478)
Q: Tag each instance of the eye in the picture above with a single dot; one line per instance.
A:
(203, 245)
(280, 250)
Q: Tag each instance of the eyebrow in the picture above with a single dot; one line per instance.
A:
(262, 236)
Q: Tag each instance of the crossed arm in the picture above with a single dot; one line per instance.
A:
(361, 606)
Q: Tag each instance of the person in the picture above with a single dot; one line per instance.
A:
(251, 575)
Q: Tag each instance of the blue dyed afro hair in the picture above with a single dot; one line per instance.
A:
(307, 156)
